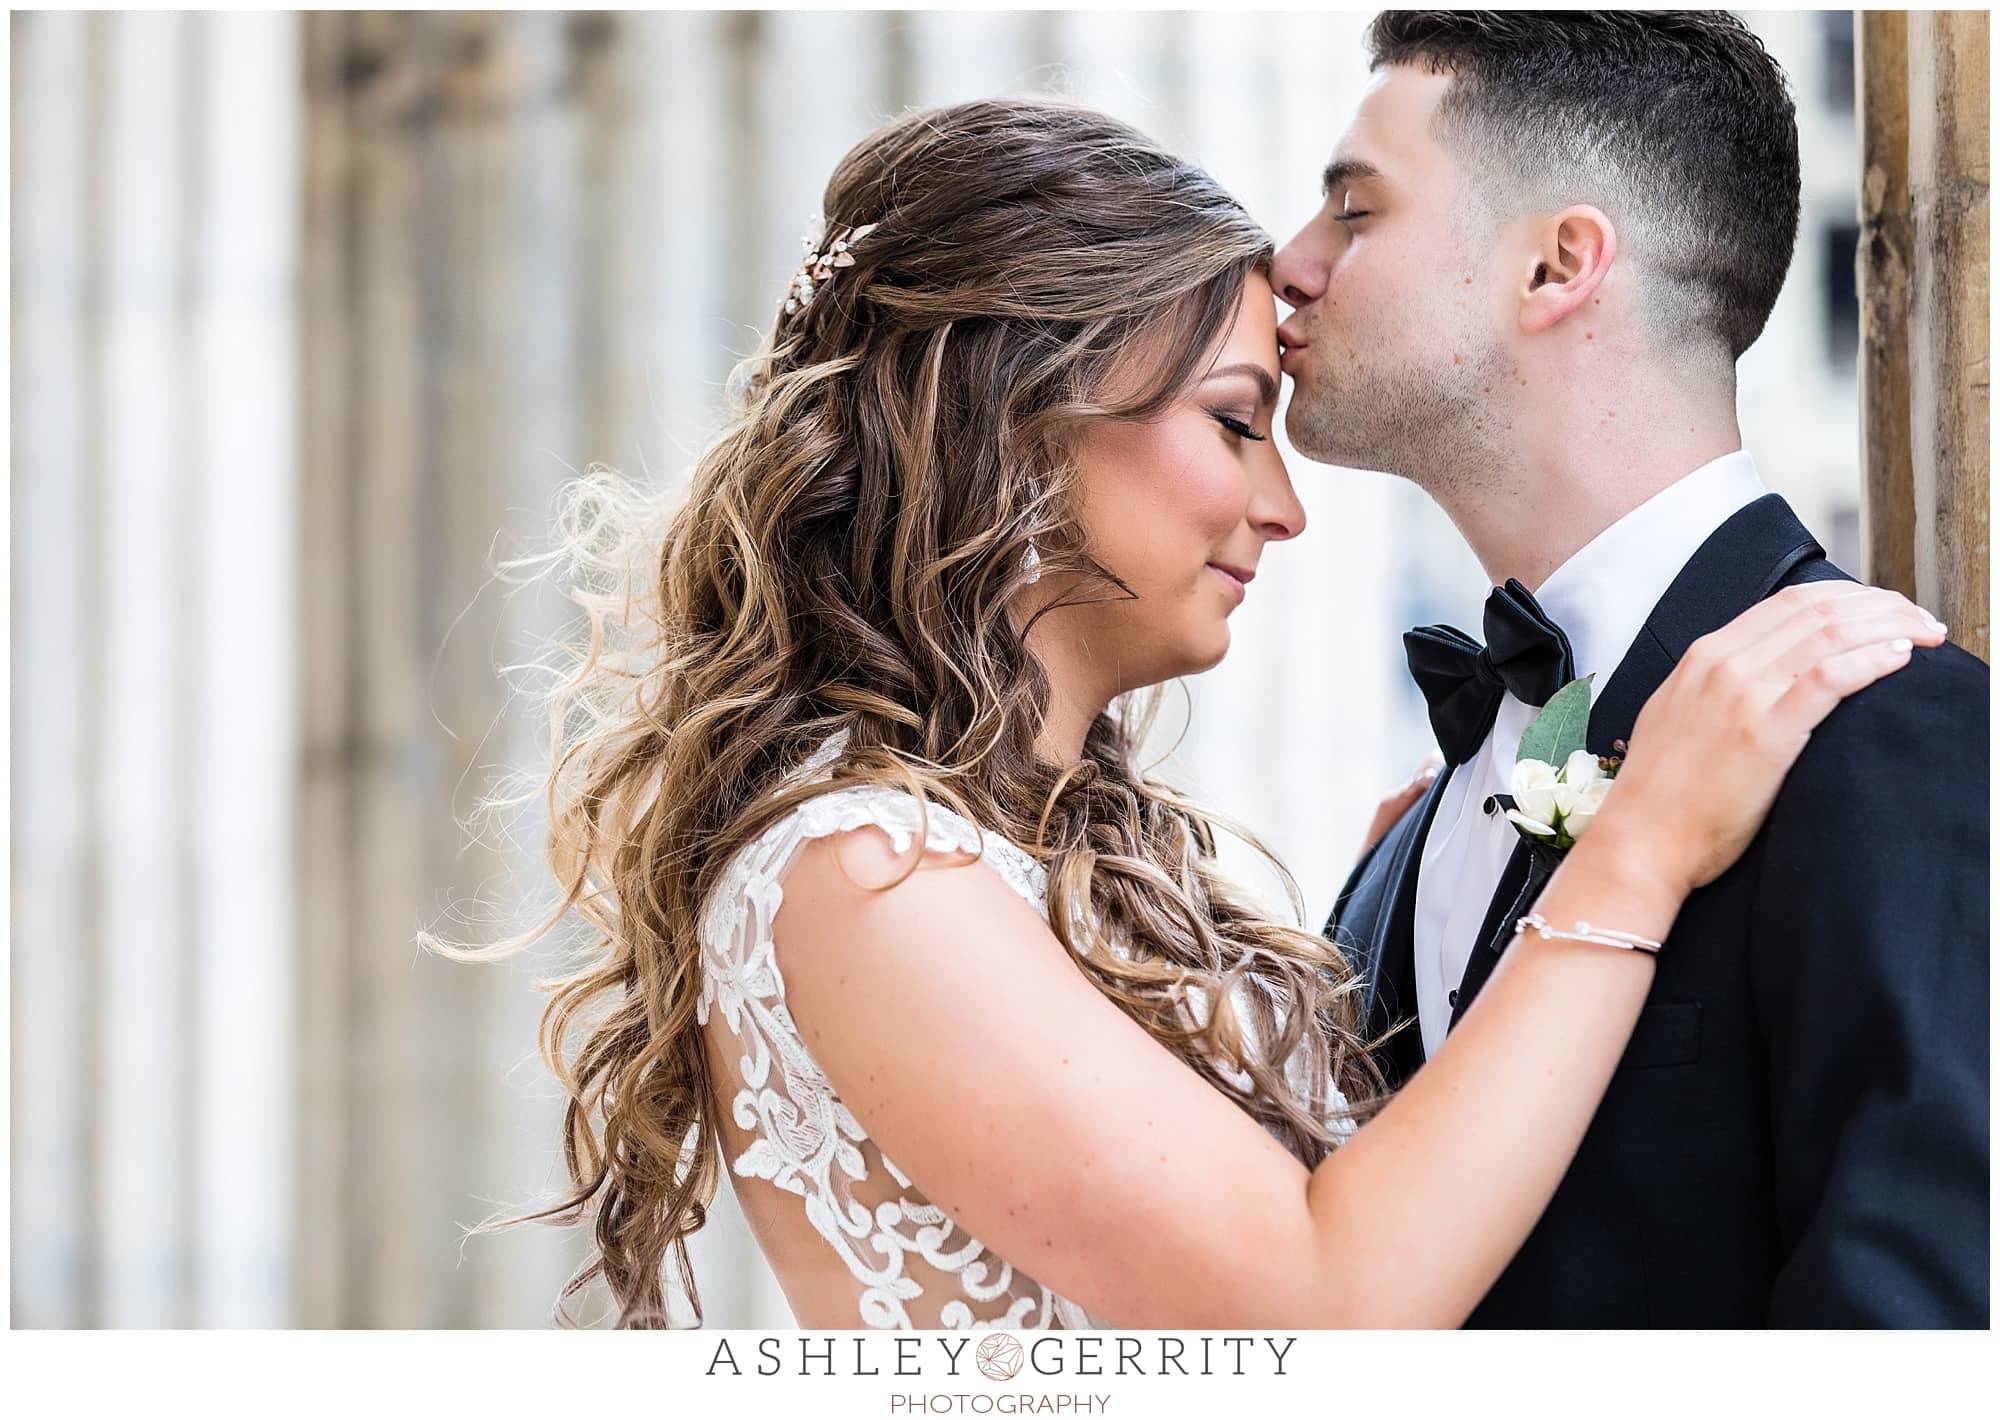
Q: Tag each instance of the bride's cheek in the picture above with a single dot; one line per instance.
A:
(1207, 489)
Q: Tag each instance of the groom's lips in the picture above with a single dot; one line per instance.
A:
(1286, 345)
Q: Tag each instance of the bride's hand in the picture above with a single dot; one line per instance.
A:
(1397, 804)
(1715, 741)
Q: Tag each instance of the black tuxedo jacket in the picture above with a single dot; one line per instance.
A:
(1797, 1133)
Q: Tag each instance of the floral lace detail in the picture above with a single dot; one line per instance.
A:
(804, 1140)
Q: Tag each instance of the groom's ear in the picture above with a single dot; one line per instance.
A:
(1573, 252)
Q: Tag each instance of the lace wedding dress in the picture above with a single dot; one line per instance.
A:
(863, 1227)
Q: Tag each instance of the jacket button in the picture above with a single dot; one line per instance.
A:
(1451, 999)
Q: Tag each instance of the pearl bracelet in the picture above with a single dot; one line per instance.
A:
(1602, 936)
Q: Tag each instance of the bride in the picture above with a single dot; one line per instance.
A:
(891, 927)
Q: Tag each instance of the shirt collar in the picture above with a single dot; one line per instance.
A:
(1602, 596)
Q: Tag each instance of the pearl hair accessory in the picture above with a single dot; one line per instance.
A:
(822, 257)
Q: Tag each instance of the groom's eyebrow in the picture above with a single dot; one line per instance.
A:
(1342, 171)
(1265, 385)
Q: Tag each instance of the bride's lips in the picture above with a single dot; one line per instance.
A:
(1236, 577)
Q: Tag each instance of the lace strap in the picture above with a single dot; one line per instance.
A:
(750, 891)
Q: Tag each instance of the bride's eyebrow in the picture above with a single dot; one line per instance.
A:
(1267, 388)
(1342, 171)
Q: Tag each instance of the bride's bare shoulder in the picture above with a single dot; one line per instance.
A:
(865, 859)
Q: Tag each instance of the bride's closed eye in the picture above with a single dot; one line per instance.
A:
(1237, 427)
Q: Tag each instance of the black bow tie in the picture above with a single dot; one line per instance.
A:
(1463, 682)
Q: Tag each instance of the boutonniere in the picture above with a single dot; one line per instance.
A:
(1558, 784)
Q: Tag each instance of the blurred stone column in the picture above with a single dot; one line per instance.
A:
(1950, 309)
(56, 443)
(153, 186)
(466, 273)
(1882, 258)
(1924, 270)
(359, 461)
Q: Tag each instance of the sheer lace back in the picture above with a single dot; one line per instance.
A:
(867, 1241)
(905, 1263)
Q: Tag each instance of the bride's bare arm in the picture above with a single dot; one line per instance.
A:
(1040, 1118)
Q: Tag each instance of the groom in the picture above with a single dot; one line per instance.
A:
(1547, 238)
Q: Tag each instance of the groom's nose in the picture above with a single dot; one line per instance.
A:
(1298, 278)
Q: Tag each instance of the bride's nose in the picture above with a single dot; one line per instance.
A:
(1275, 510)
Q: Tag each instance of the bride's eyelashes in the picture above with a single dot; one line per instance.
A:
(1237, 427)
(1352, 216)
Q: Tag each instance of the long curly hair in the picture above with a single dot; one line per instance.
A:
(844, 558)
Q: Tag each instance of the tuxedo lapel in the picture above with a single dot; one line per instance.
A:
(1515, 884)
(1376, 925)
(1740, 564)
(1528, 871)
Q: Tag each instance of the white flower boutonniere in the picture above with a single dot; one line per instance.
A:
(1558, 784)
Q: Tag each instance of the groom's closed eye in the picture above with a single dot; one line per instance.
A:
(1338, 186)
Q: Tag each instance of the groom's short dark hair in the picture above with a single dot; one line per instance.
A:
(1677, 123)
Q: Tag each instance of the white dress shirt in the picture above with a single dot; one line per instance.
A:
(1601, 598)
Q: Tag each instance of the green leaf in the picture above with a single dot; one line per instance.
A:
(1562, 727)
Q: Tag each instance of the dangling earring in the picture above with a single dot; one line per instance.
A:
(1031, 562)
